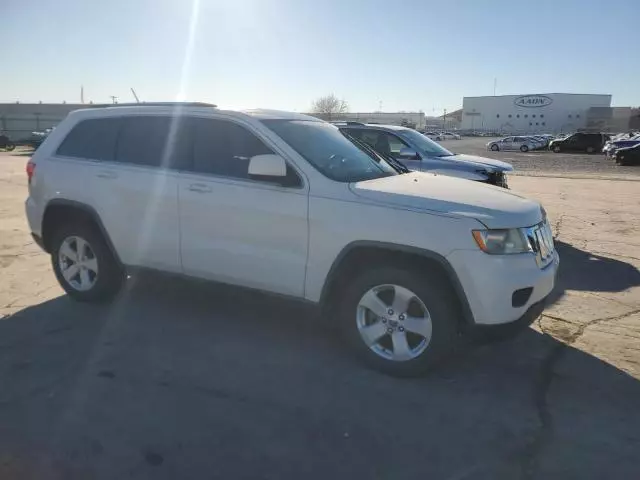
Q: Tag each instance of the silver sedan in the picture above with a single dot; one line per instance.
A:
(524, 144)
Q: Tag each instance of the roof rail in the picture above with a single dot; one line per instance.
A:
(155, 104)
(343, 122)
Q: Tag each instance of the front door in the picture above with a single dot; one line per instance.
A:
(235, 229)
(506, 143)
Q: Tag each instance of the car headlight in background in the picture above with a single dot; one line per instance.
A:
(502, 242)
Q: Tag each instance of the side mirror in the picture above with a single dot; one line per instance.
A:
(269, 165)
(408, 154)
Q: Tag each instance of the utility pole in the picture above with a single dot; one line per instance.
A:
(134, 95)
(444, 119)
(495, 84)
(114, 99)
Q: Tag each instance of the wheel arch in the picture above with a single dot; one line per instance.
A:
(360, 254)
(61, 210)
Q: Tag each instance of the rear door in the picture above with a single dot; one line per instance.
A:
(122, 167)
(237, 229)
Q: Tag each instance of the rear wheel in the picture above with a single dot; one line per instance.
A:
(9, 147)
(398, 321)
(524, 148)
(84, 264)
(495, 147)
(556, 148)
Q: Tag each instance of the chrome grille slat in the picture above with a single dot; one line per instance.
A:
(541, 240)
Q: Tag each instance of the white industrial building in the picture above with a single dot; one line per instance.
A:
(533, 113)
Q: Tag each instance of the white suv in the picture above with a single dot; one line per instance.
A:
(284, 203)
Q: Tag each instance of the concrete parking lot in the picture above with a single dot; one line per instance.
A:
(180, 379)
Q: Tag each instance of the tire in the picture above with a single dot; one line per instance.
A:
(10, 147)
(441, 324)
(590, 149)
(524, 148)
(556, 148)
(105, 281)
(495, 148)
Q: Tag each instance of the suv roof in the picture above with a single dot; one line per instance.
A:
(185, 107)
(155, 104)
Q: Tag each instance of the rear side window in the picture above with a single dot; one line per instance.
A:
(94, 139)
(224, 148)
(155, 141)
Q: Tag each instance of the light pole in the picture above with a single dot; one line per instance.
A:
(444, 120)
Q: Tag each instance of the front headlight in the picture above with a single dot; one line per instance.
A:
(502, 242)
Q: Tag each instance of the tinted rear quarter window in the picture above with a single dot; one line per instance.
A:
(93, 139)
(155, 141)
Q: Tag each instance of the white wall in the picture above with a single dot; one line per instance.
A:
(541, 113)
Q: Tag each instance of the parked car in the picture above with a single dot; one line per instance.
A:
(628, 155)
(612, 146)
(420, 153)
(448, 136)
(404, 263)
(579, 142)
(524, 144)
(36, 138)
(538, 142)
(6, 143)
(543, 140)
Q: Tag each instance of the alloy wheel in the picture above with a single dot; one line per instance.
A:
(393, 322)
(78, 263)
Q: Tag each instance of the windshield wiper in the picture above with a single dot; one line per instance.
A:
(397, 165)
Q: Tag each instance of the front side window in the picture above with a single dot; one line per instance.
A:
(328, 150)
(93, 139)
(395, 144)
(424, 144)
(224, 148)
(382, 142)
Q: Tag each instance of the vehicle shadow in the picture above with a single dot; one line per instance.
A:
(584, 271)
(178, 379)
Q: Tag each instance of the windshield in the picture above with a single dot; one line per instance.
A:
(324, 147)
(424, 144)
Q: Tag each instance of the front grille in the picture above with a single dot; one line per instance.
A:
(541, 240)
(498, 179)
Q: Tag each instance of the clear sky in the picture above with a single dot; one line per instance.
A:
(401, 55)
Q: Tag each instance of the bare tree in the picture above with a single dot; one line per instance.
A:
(329, 106)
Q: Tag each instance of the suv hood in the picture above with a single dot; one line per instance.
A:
(495, 165)
(495, 207)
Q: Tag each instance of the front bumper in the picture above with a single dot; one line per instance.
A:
(506, 330)
(489, 282)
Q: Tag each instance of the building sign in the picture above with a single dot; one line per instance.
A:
(533, 101)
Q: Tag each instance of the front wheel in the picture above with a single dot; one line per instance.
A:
(524, 148)
(590, 149)
(9, 147)
(495, 148)
(556, 148)
(398, 321)
(84, 265)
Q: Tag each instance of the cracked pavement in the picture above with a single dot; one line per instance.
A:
(181, 379)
